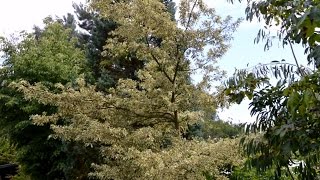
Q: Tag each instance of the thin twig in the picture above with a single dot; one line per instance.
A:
(295, 58)
(189, 18)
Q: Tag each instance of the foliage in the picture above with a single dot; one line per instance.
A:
(96, 32)
(7, 151)
(106, 70)
(245, 82)
(252, 173)
(289, 117)
(129, 152)
(49, 57)
(138, 124)
(167, 65)
(213, 129)
(287, 113)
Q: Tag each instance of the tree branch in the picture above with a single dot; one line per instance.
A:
(189, 18)
(158, 63)
(295, 58)
(152, 115)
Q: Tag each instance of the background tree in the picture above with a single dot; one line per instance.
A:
(213, 129)
(48, 57)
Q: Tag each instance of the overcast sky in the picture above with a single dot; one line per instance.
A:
(18, 15)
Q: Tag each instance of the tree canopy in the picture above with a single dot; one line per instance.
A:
(110, 94)
(138, 125)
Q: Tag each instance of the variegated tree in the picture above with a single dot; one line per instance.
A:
(139, 124)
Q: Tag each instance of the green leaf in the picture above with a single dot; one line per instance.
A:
(293, 102)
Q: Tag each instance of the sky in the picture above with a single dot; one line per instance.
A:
(18, 15)
(245, 52)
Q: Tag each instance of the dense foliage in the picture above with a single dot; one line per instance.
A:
(7, 151)
(213, 129)
(116, 100)
(49, 57)
(60, 122)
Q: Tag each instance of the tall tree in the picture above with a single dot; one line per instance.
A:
(139, 123)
